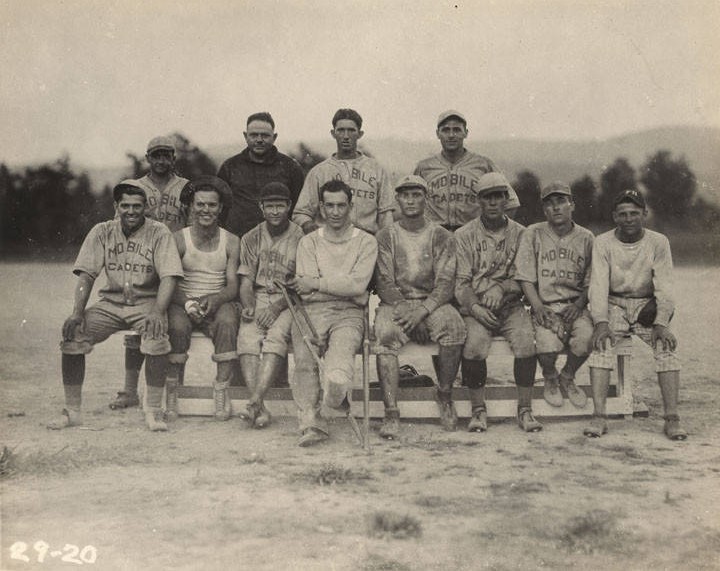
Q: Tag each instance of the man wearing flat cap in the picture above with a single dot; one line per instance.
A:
(490, 300)
(453, 175)
(162, 185)
(257, 165)
(267, 257)
(141, 264)
(553, 268)
(415, 280)
(163, 189)
(205, 297)
(631, 293)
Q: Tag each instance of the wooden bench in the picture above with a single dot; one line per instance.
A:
(196, 396)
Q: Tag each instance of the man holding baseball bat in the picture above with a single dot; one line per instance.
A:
(334, 265)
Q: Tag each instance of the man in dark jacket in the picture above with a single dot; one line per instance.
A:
(248, 172)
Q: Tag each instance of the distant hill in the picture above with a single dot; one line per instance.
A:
(569, 160)
(549, 160)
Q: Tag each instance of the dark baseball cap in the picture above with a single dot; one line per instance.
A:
(275, 191)
(630, 195)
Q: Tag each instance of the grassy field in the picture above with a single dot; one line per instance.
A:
(210, 495)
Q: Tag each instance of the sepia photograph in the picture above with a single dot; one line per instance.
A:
(369, 285)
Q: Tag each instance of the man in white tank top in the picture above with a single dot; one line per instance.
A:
(205, 297)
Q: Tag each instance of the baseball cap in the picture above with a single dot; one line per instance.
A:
(118, 189)
(206, 182)
(160, 143)
(445, 115)
(492, 181)
(274, 191)
(555, 188)
(411, 181)
(631, 195)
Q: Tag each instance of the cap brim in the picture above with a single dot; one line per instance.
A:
(493, 189)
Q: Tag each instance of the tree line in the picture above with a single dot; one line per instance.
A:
(668, 184)
(50, 208)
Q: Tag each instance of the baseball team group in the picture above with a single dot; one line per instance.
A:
(262, 259)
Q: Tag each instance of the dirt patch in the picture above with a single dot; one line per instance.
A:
(210, 495)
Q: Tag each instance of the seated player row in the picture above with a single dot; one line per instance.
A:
(487, 266)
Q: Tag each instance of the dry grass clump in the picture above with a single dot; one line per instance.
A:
(38, 463)
(8, 462)
(375, 562)
(387, 524)
(594, 531)
(330, 474)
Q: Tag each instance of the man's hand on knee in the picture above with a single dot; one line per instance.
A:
(664, 335)
(154, 325)
(543, 316)
(570, 313)
(484, 316)
(409, 316)
(601, 335)
(72, 324)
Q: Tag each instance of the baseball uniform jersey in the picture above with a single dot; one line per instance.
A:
(370, 184)
(559, 265)
(164, 205)
(134, 264)
(452, 187)
(265, 259)
(484, 259)
(415, 265)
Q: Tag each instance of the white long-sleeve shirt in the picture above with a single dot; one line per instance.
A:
(642, 269)
(344, 265)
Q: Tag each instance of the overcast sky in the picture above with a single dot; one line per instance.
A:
(98, 78)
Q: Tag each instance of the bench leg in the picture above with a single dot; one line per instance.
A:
(621, 375)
